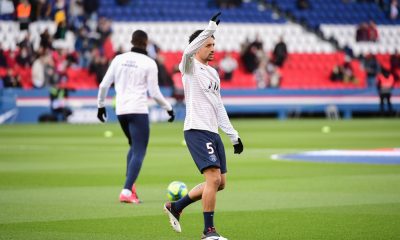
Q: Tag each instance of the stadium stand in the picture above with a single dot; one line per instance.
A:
(318, 39)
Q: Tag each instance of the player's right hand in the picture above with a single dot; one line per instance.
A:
(215, 18)
(238, 147)
(102, 114)
(171, 115)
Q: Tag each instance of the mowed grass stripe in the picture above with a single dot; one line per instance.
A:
(62, 182)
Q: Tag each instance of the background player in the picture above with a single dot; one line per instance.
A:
(133, 74)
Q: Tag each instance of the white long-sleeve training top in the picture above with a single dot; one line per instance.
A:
(133, 74)
(204, 107)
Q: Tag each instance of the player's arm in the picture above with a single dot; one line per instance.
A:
(155, 93)
(225, 124)
(186, 65)
(105, 84)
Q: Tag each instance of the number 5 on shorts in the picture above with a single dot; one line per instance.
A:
(210, 148)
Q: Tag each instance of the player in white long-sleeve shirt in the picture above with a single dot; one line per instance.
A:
(133, 74)
(205, 112)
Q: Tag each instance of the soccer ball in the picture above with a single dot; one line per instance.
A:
(176, 190)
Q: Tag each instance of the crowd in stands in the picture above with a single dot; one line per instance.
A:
(264, 66)
(52, 63)
(367, 32)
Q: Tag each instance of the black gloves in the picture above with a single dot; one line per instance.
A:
(238, 147)
(215, 18)
(102, 114)
(171, 115)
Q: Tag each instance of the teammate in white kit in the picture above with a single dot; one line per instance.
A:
(205, 112)
(133, 74)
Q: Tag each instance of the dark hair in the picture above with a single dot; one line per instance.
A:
(385, 72)
(139, 39)
(195, 35)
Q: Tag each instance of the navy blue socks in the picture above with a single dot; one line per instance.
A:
(208, 221)
(179, 205)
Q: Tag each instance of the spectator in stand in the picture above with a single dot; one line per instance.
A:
(83, 45)
(385, 84)
(372, 68)
(98, 66)
(178, 91)
(61, 30)
(7, 7)
(395, 65)
(38, 70)
(59, 58)
(3, 58)
(152, 49)
(23, 59)
(303, 4)
(119, 51)
(348, 72)
(267, 74)
(228, 3)
(164, 78)
(46, 41)
(122, 2)
(280, 53)
(372, 32)
(362, 32)
(394, 10)
(90, 8)
(75, 14)
(41, 10)
(228, 65)
(250, 54)
(261, 75)
(249, 58)
(343, 72)
(103, 29)
(27, 43)
(11, 58)
(10, 80)
(337, 74)
(23, 12)
(108, 49)
(60, 14)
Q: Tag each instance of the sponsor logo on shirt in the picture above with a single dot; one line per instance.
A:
(213, 87)
(130, 64)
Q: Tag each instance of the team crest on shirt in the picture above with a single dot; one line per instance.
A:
(212, 158)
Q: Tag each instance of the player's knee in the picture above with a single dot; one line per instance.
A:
(217, 181)
(221, 186)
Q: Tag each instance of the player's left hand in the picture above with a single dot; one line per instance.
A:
(102, 114)
(238, 147)
(171, 115)
(215, 18)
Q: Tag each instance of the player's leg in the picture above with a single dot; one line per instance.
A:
(139, 131)
(381, 103)
(214, 183)
(388, 96)
(199, 144)
(125, 195)
(136, 128)
(209, 229)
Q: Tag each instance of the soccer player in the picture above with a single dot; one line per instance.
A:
(133, 74)
(205, 112)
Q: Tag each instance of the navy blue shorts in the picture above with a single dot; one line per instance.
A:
(206, 148)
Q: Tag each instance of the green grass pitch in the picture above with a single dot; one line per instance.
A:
(63, 181)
